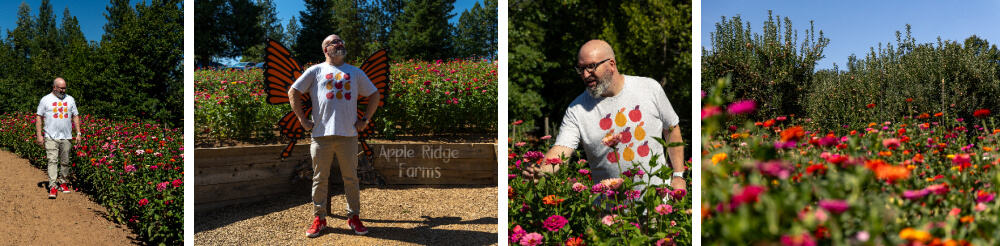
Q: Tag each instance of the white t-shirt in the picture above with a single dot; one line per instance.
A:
(57, 115)
(334, 91)
(641, 109)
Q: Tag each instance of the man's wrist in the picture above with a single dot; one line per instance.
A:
(679, 174)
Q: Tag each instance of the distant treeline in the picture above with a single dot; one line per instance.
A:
(414, 29)
(133, 72)
(891, 81)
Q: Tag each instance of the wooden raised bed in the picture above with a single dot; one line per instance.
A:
(234, 175)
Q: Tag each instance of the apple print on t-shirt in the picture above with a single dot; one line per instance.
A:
(338, 85)
(60, 110)
(628, 125)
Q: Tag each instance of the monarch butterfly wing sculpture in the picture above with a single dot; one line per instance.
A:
(280, 71)
(376, 67)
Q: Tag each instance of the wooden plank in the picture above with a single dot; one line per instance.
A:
(240, 173)
(434, 151)
(219, 192)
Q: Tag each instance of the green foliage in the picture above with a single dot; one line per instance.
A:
(228, 28)
(908, 79)
(476, 31)
(134, 72)
(766, 68)
(650, 39)
(317, 24)
(422, 30)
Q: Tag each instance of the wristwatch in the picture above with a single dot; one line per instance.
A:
(679, 174)
(365, 119)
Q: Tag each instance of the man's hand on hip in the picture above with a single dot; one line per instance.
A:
(360, 125)
(307, 124)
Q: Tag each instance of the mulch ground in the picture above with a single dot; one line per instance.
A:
(31, 218)
(394, 215)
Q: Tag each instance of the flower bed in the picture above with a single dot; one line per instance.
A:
(455, 96)
(926, 179)
(560, 208)
(133, 169)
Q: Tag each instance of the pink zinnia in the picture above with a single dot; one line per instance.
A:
(664, 209)
(516, 234)
(709, 111)
(578, 187)
(742, 107)
(597, 188)
(554, 223)
(162, 186)
(532, 239)
(584, 171)
(609, 220)
(891, 143)
(834, 206)
(915, 194)
(803, 239)
(143, 202)
(678, 194)
(177, 183)
(776, 168)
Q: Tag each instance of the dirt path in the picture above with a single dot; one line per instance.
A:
(394, 215)
(31, 218)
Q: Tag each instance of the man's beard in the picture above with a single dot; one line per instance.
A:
(60, 95)
(338, 52)
(603, 82)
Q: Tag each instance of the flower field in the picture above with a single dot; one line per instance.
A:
(426, 97)
(929, 178)
(133, 169)
(566, 207)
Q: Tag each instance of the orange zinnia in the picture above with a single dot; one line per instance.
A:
(891, 173)
(552, 200)
(792, 134)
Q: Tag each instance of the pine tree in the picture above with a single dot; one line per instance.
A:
(317, 24)
(422, 30)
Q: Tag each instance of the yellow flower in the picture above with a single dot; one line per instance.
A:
(718, 158)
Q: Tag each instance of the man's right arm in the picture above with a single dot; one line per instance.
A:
(295, 99)
(39, 138)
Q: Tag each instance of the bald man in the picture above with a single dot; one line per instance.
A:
(634, 108)
(54, 112)
(334, 87)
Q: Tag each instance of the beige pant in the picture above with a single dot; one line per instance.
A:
(57, 150)
(323, 151)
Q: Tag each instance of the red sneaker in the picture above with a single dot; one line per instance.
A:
(317, 226)
(356, 225)
(64, 188)
(52, 193)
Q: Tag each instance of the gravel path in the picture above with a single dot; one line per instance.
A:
(31, 218)
(394, 215)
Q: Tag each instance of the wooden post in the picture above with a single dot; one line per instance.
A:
(546, 125)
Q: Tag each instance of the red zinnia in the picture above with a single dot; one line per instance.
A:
(981, 113)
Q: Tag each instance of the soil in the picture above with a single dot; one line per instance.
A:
(31, 218)
(394, 215)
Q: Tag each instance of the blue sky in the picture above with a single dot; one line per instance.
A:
(288, 8)
(855, 26)
(90, 14)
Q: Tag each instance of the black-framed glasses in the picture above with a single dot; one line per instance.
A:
(335, 42)
(590, 67)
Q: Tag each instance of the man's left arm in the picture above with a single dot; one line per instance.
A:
(676, 154)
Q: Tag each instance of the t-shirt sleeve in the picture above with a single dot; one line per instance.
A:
(72, 108)
(306, 80)
(365, 85)
(41, 108)
(669, 116)
(569, 131)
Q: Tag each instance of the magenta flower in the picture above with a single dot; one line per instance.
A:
(162, 186)
(915, 194)
(678, 194)
(597, 188)
(803, 239)
(554, 223)
(742, 107)
(143, 202)
(584, 171)
(747, 194)
(775, 168)
(834, 206)
(533, 155)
